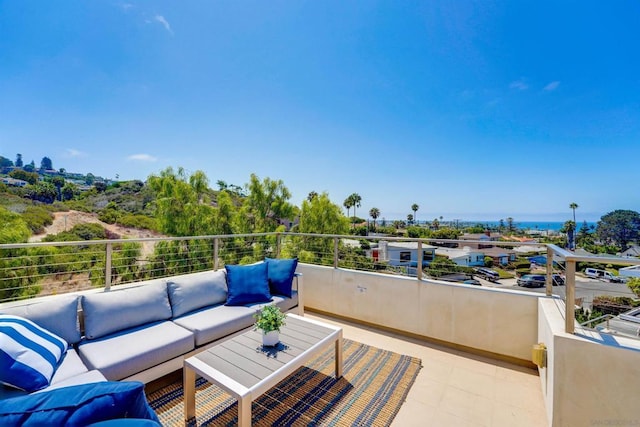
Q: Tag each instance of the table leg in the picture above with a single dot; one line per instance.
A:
(244, 411)
(339, 356)
(189, 386)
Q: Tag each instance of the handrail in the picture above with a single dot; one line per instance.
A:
(570, 258)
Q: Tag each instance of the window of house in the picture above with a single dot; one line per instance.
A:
(427, 256)
(405, 256)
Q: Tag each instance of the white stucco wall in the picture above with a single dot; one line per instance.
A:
(488, 319)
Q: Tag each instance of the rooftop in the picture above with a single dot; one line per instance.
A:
(456, 388)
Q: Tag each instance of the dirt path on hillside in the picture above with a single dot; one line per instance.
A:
(67, 220)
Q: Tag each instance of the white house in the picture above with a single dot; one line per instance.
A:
(465, 257)
(403, 254)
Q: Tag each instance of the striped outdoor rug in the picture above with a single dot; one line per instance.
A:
(374, 385)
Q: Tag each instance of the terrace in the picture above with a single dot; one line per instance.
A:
(475, 343)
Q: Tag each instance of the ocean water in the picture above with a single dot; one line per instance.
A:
(528, 225)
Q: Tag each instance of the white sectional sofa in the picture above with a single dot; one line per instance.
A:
(142, 331)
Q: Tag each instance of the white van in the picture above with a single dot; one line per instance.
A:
(601, 274)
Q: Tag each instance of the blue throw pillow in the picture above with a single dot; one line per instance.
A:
(29, 354)
(247, 284)
(78, 405)
(281, 273)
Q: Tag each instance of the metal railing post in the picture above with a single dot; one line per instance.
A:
(278, 243)
(549, 280)
(420, 258)
(216, 249)
(107, 267)
(570, 301)
(335, 252)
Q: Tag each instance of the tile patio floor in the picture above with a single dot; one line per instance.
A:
(455, 388)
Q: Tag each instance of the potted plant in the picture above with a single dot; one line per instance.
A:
(269, 320)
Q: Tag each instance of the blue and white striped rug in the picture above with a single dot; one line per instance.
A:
(374, 385)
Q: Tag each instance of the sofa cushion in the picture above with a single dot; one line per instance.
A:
(281, 273)
(78, 405)
(109, 312)
(285, 304)
(216, 322)
(190, 292)
(247, 284)
(58, 315)
(29, 354)
(131, 351)
(70, 366)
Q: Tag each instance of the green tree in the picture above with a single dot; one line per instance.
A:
(30, 167)
(19, 162)
(4, 162)
(30, 177)
(58, 182)
(619, 227)
(46, 163)
(321, 216)
(43, 192)
(435, 224)
(414, 208)
(374, 213)
(410, 219)
(510, 226)
(312, 195)
(181, 208)
(89, 179)
(266, 204)
(69, 191)
(569, 227)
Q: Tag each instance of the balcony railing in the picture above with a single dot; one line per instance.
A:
(37, 269)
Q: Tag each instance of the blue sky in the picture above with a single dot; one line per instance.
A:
(473, 110)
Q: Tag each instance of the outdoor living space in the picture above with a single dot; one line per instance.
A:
(452, 388)
(456, 388)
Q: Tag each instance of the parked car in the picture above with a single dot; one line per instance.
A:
(532, 281)
(558, 280)
(487, 273)
(602, 275)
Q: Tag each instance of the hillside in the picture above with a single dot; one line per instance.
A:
(66, 220)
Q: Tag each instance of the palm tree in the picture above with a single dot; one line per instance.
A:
(435, 224)
(374, 213)
(572, 243)
(574, 206)
(414, 208)
(355, 202)
(409, 218)
(348, 203)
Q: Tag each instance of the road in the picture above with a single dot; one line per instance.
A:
(586, 288)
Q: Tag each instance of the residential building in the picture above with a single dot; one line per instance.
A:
(466, 257)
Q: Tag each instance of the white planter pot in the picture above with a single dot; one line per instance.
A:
(271, 338)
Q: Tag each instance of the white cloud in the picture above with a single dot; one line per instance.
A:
(519, 85)
(142, 158)
(164, 22)
(552, 86)
(72, 152)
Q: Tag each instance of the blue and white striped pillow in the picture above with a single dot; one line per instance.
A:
(29, 354)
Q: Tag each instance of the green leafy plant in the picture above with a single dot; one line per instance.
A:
(270, 318)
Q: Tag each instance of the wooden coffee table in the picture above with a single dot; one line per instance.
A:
(246, 370)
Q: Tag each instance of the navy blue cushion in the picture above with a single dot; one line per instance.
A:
(281, 273)
(247, 284)
(78, 405)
